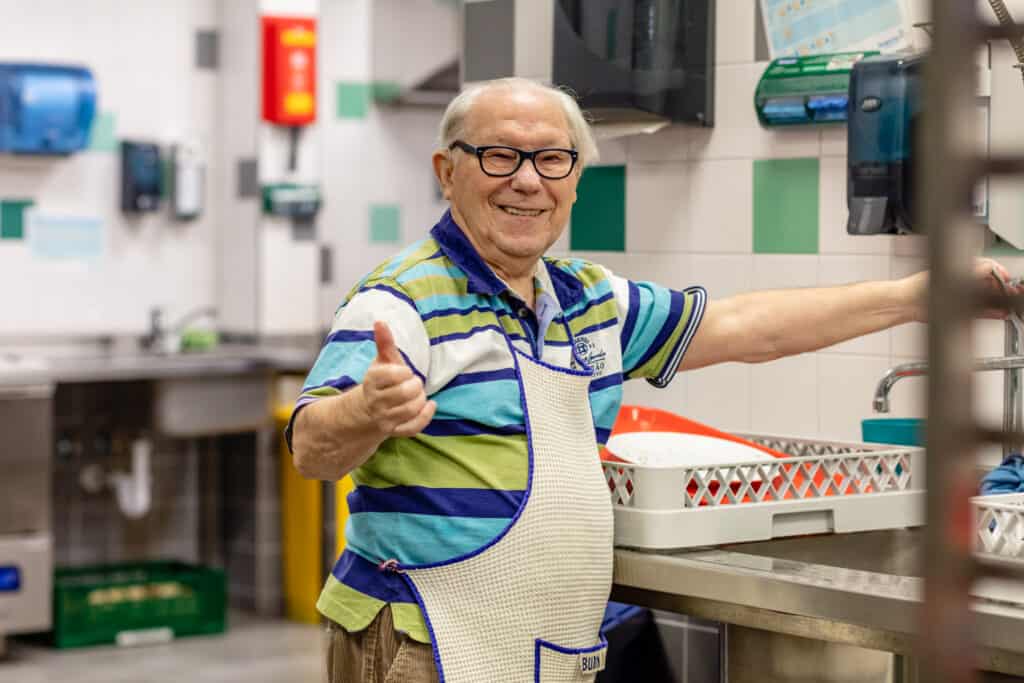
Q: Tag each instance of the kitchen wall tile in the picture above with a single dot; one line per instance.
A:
(613, 152)
(841, 270)
(385, 223)
(12, 218)
(846, 386)
(773, 271)
(721, 206)
(833, 215)
(786, 206)
(671, 143)
(719, 396)
(666, 269)
(657, 205)
(721, 276)
(103, 136)
(910, 245)
(599, 215)
(734, 32)
(352, 100)
(672, 398)
(834, 140)
(784, 396)
(737, 134)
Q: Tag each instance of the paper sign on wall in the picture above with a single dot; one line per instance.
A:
(799, 28)
(64, 236)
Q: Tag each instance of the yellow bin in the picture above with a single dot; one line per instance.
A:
(301, 532)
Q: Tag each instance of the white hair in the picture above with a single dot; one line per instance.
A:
(453, 123)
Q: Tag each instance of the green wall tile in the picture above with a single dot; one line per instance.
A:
(385, 224)
(353, 100)
(386, 92)
(12, 218)
(599, 215)
(103, 137)
(786, 206)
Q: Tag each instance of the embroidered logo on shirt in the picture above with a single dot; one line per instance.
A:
(590, 353)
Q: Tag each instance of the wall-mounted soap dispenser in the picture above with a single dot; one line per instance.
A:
(884, 119)
(141, 176)
(626, 60)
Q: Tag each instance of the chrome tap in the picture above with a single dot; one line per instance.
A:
(155, 338)
(1011, 365)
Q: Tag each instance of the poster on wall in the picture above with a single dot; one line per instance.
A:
(809, 27)
(64, 237)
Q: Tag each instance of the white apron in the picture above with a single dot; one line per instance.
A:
(528, 606)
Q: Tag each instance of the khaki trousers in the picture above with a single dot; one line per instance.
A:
(377, 654)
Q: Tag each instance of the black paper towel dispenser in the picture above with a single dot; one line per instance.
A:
(884, 121)
(627, 60)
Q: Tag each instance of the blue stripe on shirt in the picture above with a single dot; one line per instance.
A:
(359, 573)
(419, 539)
(502, 407)
(450, 502)
(469, 428)
(675, 312)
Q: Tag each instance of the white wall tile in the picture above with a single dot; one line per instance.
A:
(668, 270)
(719, 396)
(721, 206)
(734, 31)
(784, 271)
(846, 387)
(737, 133)
(784, 396)
(834, 140)
(613, 152)
(668, 144)
(721, 276)
(672, 398)
(833, 215)
(840, 270)
(657, 200)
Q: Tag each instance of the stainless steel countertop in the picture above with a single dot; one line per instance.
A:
(859, 589)
(227, 359)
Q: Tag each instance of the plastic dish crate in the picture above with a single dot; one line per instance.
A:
(999, 525)
(136, 603)
(823, 487)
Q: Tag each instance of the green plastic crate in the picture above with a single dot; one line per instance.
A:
(126, 603)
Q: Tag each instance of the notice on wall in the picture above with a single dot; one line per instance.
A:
(809, 27)
(64, 237)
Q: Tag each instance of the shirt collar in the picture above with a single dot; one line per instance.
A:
(564, 287)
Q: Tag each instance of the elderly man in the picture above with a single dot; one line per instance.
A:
(466, 385)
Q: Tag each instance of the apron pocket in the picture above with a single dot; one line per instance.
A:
(557, 664)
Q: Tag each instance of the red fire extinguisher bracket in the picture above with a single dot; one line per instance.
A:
(289, 70)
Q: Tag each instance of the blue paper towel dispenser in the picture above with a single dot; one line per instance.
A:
(45, 108)
(884, 119)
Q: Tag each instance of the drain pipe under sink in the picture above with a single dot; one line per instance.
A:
(134, 490)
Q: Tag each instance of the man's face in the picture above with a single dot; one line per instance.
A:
(512, 220)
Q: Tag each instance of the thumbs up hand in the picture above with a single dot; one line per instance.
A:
(394, 395)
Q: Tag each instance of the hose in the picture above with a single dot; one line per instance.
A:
(1003, 14)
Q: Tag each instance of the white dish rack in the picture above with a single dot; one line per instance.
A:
(999, 526)
(824, 487)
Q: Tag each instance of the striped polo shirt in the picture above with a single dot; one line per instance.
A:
(455, 486)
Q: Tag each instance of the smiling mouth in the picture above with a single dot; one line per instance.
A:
(513, 211)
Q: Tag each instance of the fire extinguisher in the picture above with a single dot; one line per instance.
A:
(289, 75)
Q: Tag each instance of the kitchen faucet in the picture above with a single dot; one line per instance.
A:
(155, 338)
(1011, 365)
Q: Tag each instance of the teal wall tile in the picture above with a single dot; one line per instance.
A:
(599, 215)
(786, 206)
(103, 137)
(386, 92)
(12, 218)
(385, 224)
(353, 100)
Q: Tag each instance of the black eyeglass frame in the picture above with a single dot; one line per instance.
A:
(523, 156)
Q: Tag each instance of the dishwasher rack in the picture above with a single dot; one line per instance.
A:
(823, 487)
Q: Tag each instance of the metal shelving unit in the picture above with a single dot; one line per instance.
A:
(949, 167)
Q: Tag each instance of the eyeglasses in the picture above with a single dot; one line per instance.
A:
(498, 161)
